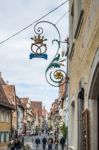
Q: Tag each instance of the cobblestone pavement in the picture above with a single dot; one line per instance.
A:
(30, 140)
(4, 148)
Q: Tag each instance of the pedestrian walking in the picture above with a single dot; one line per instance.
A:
(12, 145)
(32, 141)
(44, 141)
(22, 140)
(17, 145)
(37, 142)
(56, 142)
(50, 143)
(62, 143)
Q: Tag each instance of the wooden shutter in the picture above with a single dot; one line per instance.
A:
(85, 129)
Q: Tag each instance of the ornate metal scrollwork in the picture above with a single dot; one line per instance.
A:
(38, 48)
(56, 71)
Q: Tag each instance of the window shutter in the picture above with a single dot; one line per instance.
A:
(85, 129)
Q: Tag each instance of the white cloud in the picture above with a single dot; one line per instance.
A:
(29, 75)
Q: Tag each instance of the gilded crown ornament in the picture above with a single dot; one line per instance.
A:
(38, 39)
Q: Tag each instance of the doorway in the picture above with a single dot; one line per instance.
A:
(94, 110)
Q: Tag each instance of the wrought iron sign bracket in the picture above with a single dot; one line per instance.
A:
(56, 71)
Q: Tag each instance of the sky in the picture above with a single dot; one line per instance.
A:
(17, 69)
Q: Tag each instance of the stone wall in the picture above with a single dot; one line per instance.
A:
(81, 60)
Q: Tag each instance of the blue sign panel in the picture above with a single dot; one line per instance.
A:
(38, 56)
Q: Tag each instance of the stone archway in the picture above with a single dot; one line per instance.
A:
(93, 97)
(94, 89)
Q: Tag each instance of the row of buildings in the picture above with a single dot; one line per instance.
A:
(59, 110)
(18, 116)
(81, 98)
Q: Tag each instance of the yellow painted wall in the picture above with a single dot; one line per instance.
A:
(5, 126)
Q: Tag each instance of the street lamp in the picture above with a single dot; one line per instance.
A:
(56, 71)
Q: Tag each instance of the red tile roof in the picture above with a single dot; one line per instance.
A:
(10, 93)
(24, 100)
(3, 98)
(37, 107)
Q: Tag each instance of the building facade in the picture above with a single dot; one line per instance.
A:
(20, 114)
(29, 117)
(55, 115)
(63, 101)
(37, 112)
(5, 118)
(84, 75)
(11, 95)
(44, 119)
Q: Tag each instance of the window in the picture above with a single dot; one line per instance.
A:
(2, 116)
(8, 117)
(2, 137)
(5, 116)
(7, 137)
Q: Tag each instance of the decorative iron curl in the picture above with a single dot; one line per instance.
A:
(55, 76)
(38, 30)
(53, 79)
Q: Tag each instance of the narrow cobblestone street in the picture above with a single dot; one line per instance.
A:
(30, 140)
